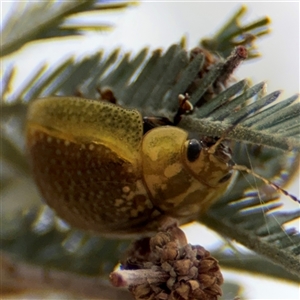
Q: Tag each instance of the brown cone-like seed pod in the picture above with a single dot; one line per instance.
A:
(166, 267)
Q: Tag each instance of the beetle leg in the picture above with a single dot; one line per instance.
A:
(107, 94)
(185, 107)
(78, 93)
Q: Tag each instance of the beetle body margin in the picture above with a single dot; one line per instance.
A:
(97, 170)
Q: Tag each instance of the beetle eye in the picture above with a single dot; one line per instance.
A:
(193, 150)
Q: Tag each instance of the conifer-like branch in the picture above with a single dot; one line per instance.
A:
(151, 83)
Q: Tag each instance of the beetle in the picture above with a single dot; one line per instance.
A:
(99, 168)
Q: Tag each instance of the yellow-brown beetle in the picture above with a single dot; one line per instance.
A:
(99, 171)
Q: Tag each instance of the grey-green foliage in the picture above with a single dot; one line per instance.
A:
(233, 33)
(48, 19)
(151, 83)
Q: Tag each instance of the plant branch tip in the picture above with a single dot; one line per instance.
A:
(129, 278)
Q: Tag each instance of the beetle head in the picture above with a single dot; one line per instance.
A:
(212, 169)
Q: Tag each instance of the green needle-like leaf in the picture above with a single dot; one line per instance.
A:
(44, 19)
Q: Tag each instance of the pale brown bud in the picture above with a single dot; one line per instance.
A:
(183, 266)
(169, 252)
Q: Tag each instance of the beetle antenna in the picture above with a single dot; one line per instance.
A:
(214, 147)
(241, 168)
(275, 186)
